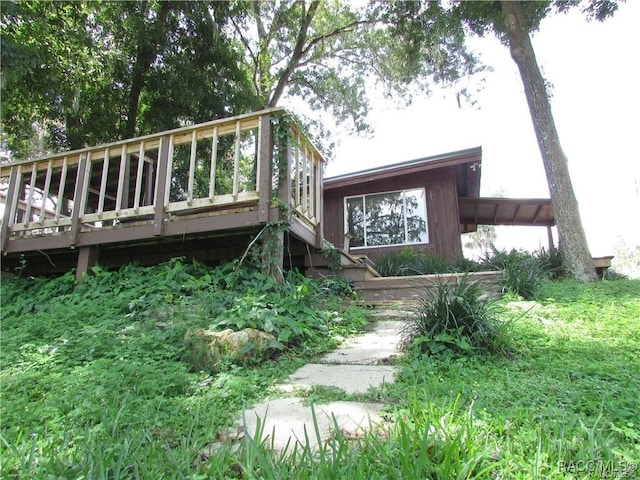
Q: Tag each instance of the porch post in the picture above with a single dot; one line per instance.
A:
(550, 238)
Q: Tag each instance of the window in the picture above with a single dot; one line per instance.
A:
(384, 219)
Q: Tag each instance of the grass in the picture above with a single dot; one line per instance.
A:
(95, 385)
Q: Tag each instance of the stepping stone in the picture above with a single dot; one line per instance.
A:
(353, 379)
(392, 314)
(371, 348)
(286, 422)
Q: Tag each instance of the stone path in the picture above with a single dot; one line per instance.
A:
(360, 364)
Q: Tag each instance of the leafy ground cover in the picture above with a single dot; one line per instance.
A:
(95, 383)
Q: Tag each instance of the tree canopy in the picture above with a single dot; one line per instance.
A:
(77, 73)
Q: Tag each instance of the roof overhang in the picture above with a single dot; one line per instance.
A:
(467, 164)
(505, 211)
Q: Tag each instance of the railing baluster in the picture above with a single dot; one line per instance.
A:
(45, 192)
(161, 184)
(121, 177)
(214, 157)
(32, 188)
(63, 181)
(103, 181)
(192, 167)
(136, 200)
(236, 160)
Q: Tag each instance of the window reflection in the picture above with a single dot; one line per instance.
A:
(390, 218)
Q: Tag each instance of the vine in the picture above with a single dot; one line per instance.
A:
(331, 253)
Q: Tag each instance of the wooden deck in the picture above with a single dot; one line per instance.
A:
(210, 187)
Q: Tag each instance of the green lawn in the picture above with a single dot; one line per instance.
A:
(96, 384)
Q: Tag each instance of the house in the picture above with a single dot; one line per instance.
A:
(423, 204)
(208, 191)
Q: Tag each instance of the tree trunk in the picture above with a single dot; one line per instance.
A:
(572, 239)
(146, 51)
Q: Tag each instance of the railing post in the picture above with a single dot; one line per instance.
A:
(265, 164)
(161, 185)
(319, 204)
(10, 207)
(79, 197)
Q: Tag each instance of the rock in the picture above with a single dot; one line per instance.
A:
(206, 348)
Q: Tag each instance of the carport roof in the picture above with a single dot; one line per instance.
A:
(505, 211)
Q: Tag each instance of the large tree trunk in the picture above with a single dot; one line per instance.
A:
(572, 239)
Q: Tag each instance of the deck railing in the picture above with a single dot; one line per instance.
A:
(219, 166)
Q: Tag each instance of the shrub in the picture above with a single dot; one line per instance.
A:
(455, 316)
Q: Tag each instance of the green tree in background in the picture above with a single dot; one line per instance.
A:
(82, 73)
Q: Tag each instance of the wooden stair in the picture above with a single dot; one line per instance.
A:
(351, 268)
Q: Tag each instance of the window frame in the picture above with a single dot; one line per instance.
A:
(403, 193)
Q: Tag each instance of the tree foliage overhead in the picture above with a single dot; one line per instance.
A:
(89, 72)
(331, 53)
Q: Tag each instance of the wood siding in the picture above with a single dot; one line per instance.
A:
(442, 211)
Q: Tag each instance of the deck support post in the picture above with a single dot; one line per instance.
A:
(272, 254)
(87, 258)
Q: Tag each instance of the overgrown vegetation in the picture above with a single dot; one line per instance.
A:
(95, 383)
(96, 379)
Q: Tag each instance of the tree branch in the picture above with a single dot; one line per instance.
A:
(252, 55)
(296, 55)
(334, 33)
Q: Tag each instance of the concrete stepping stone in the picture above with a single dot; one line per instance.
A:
(354, 368)
(377, 346)
(288, 421)
(352, 379)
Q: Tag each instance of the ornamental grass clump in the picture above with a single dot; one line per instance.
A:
(456, 316)
(522, 272)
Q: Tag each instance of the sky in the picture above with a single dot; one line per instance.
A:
(594, 70)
